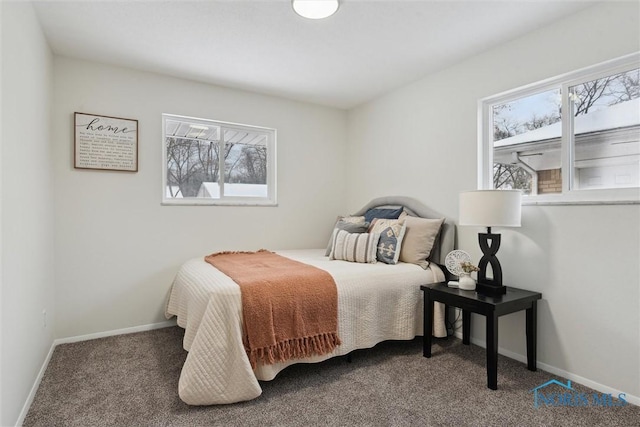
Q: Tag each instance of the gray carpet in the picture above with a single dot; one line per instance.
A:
(132, 380)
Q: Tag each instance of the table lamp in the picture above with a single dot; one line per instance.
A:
(490, 208)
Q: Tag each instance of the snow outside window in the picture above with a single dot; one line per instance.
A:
(570, 139)
(209, 162)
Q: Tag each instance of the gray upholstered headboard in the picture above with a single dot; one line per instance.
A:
(446, 239)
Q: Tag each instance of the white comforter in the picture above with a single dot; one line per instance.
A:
(376, 302)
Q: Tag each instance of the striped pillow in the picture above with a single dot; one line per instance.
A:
(354, 247)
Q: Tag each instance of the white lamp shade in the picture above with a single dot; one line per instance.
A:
(315, 9)
(491, 208)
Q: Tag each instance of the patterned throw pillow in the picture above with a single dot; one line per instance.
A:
(391, 234)
(351, 224)
(354, 247)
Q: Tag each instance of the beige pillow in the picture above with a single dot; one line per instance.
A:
(419, 238)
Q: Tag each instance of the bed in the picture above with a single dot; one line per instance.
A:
(375, 302)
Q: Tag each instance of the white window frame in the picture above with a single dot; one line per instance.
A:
(270, 200)
(563, 82)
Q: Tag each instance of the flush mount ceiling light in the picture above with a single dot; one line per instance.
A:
(315, 9)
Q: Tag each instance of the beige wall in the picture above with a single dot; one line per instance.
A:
(27, 256)
(421, 141)
(118, 249)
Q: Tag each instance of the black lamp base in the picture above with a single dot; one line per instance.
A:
(490, 290)
(490, 243)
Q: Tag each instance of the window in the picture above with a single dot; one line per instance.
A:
(208, 162)
(571, 139)
(526, 142)
(605, 131)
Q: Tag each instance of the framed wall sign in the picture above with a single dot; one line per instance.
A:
(105, 143)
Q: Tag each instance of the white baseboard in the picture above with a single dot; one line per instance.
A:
(36, 384)
(131, 330)
(635, 400)
(34, 388)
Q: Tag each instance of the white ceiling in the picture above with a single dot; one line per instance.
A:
(366, 49)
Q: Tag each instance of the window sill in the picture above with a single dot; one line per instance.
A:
(209, 202)
(630, 196)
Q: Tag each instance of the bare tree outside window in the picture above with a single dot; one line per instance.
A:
(524, 131)
(519, 117)
(247, 165)
(511, 177)
(190, 163)
(608, 158)
(526, 114)
(211, 161)
(605, 92)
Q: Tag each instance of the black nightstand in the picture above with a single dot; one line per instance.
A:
(491, 307)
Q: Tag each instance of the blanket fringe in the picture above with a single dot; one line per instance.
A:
(236, 252)
(296, 348)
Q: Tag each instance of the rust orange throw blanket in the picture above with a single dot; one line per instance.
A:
(289, 309)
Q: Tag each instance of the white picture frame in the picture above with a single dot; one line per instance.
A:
(105, 143)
